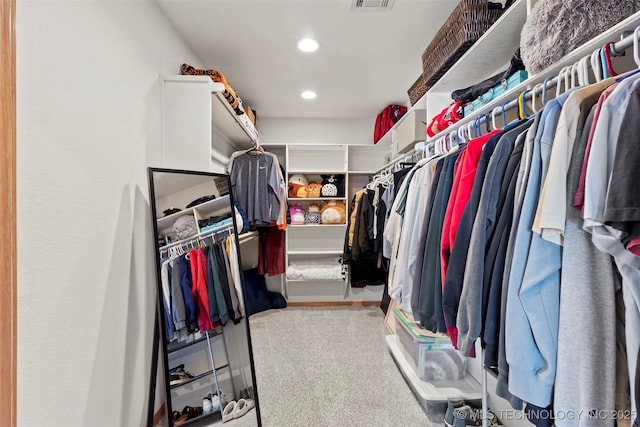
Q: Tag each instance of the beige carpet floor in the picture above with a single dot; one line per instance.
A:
(329, 366)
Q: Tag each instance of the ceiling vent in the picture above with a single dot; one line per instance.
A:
(372, 4)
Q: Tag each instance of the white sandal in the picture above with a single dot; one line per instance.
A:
(242, 407)
(229, 410)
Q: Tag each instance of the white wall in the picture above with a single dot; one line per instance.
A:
(89, 109)
(316, 131)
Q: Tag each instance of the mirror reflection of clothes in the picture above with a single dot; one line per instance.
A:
(201, 290)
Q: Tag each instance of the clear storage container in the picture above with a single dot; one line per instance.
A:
(432, 356)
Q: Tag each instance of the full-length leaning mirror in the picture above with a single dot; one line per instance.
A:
(205, 343)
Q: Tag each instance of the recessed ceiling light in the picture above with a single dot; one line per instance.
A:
(308, 94)
(308, 45)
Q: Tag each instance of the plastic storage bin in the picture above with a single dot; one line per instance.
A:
(493, 93)
(432, 357)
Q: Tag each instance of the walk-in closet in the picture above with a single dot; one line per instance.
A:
(320, 213)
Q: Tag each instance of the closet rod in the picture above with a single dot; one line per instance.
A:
(615, 49)
(200, 236)
(407, 156)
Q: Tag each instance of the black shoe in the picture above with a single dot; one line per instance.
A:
(179, 376)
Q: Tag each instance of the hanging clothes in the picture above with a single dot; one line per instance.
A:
(365, 268)
(271, 257)
(199, 274)
(259, 187)
(527, 241)
(200, 289)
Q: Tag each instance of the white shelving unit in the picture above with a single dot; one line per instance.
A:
(201, 211)
(489, 55)
(200, 129)
(316, 241)
(356, 163)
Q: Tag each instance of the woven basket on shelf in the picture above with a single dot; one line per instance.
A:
(417, 90)
(466, 24)
(222, 184)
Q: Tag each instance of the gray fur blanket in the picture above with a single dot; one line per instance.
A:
(555, 27)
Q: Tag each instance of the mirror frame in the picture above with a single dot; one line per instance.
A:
(159, 332)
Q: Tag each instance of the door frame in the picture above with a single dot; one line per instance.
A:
(8, 241)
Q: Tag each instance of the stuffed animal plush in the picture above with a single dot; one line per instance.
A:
(297, 183)
(297, 214)
(554, 28)
(229, 92)
(333, 213)
(313, 189)
(312, 216)
(332, 185)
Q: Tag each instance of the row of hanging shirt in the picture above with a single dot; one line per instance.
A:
(527, 238)
(363, 236)
(364, 249)
(201, 287)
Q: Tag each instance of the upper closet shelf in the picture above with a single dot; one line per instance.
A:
(386, 140)
(238, 130)
(490, 54)
(206, 207)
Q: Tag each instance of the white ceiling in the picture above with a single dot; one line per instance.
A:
(366, 60)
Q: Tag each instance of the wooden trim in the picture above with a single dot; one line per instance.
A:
(157, 417)
(332, 303)
(8, 265)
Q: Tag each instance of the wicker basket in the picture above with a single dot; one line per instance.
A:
(222, 183)
(466, 24)
(417, 90)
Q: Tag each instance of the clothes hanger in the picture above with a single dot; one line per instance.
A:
(560, 78)
(584, 71)
(256, 150)
(533, 98)
(453, 136)
(504, 114)
(461, 135)
(493, 117)
(522, 108)
(596, 65)
(544, 91)
(636, 49)
(574, 75)
(477, 130)
(607, 59)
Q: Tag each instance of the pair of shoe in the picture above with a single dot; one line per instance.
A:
(460, 414)
(211, 403)
(178, 375)
(237, 409)
(469, 416)
(188, 413)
